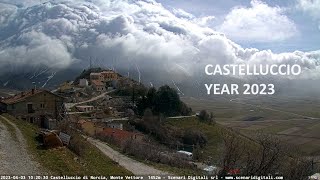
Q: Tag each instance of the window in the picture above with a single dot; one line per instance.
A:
(30, 108)
(42, 106)
(12, 106)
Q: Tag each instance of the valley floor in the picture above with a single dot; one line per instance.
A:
(294, 120)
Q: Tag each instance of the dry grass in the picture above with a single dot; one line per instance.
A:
(62, 161)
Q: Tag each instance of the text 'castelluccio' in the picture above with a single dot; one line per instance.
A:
(248, 70)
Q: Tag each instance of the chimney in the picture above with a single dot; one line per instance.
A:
(32, 91)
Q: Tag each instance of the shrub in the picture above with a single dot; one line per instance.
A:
(154, 153)
(197, 153)
(194, 137)
(204, 116)
(76, 145)
(164, 101)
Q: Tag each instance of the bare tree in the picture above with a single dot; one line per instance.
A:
(298, 168)
(268, 156)
(233, 151)
(263, 155)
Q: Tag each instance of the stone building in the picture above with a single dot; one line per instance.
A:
(109, 76)
(98, 85)
(83, 83)
(36, 106)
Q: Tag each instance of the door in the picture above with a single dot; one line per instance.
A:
(43, 122)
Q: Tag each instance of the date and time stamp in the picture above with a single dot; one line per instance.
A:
(150, 177)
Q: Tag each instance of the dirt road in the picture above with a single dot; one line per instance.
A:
(70, 105)
(14, 158)
(137, 168)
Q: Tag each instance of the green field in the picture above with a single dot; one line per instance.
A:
(295, 120)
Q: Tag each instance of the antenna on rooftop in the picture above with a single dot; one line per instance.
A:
(128, 71)
(99, 63)
(138, 73)
(90, 62)
(114, 60)
(35, 85)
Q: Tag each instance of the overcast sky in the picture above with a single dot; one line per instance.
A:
(173, 37)
(300, 21)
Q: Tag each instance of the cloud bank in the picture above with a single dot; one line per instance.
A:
(126, 33)
(311, 7)
(258, 23)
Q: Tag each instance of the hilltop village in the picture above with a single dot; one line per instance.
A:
(104, 122)
(87, 95)
(106, 106)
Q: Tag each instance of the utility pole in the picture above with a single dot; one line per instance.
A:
(90, 63)
(133, 95)
(34, 85)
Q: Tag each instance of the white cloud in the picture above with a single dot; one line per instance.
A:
(204, 21)
(36, 49)
(183, 14)
(5, 12)
(120, 34)
(258, 23)
(311, 7)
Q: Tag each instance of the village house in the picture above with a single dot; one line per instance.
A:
(100, 80)
(119, 136)
(109, 75)
(96, 76)
(98, 85)
(99, 114)
(104, 76)
(83, 83)
(87, 127)
(66, 87)
(36, 106)
(115, 125)
(85, 108)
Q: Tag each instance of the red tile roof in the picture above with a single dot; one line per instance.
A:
(82, 121)
(108, 72)
(23, 95)
(120, 135)
(97, 83)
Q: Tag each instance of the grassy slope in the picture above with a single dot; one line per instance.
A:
(282, 118)
(215, 144)
(62, 161)
(162, 167)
